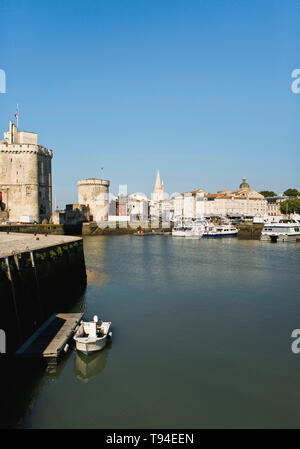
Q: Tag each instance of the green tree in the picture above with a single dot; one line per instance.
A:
(290, 206)
(291, 192)
(268, 193)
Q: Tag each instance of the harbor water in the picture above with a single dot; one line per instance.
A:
(201, 339)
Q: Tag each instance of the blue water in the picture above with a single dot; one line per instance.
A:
(201, 338)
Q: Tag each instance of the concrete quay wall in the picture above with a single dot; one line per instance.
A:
(112, 228)
(37, 278)
(249, 231)
(40, 229)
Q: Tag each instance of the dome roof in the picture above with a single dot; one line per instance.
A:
(244, 184)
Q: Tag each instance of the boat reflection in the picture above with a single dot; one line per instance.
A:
(86, 367)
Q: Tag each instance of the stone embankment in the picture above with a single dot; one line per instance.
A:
(39, 275)
(249, 231)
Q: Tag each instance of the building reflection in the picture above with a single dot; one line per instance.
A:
(95, 249)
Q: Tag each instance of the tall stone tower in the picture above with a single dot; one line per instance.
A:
(93, 192)
(25, 176)
(158, 193)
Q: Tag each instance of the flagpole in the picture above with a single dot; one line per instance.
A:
(17, 116)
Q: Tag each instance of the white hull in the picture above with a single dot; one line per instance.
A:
(280, 237)
(194, 234)
(178, 233)
(192, 231)
(284, 231)
(88, 340)
(221, 234)
(91, 346)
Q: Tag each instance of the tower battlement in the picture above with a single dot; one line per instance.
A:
(28, 148)
(93, 192)
(25, 175)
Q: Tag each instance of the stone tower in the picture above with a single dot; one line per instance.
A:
(93, 192)
(158, 193)
(25, 176)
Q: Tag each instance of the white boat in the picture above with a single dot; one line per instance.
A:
(179, 228)
(188, 230)
(92, 336)
(194, 232)
(209, 229)
(284, 231)
(226, 230)
(178, 231)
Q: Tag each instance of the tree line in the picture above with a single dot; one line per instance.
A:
(290, 205)
(288, 192)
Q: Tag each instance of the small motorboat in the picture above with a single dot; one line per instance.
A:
(91, 336)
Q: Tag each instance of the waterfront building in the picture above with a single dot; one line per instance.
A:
(273, 204)
(125, 208)
(25, 176)
(243, 202)
(189, 204)
(73, 214)
(138, 207)
(118, 209)
(167, 210)
(93, 192)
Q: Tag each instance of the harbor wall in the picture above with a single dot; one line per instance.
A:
(35, 284)
(88, 228)
(51, 229)
(114, 228)
(249, 231)
(246, 231)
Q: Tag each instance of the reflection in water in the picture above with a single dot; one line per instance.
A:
(88, 366)
(53, 372)
(96, 277)
(97, 248)
(240, 300)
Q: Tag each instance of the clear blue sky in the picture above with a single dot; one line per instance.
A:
(199, 88)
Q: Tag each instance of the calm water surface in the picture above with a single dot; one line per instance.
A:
(201, 338)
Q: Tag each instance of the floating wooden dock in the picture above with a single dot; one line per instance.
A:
(50, 339)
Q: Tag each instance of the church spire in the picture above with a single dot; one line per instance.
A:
(158, 185)
(158, 193)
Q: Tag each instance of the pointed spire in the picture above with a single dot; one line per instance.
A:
(158, 184)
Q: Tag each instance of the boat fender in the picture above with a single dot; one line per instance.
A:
(66, 347)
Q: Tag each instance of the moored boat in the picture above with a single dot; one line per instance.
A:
(194, 232)
(179, 229)
(226, 230)
(91, 336)
(284, 231)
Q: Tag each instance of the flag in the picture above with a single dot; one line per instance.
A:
(17, 113)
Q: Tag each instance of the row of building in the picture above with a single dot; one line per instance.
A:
(243, 203)
(26, 191)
